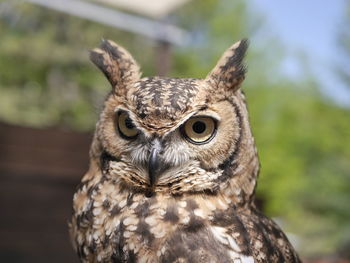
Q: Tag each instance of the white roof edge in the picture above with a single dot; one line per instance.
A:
(151, 28)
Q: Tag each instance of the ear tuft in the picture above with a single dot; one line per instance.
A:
(116, 63)
(230, 71)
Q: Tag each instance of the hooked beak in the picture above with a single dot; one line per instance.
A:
(154, 164)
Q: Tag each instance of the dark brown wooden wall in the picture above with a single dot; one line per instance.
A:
(39, 170)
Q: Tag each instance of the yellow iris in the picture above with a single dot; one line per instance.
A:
(125, 126)
(199, 130)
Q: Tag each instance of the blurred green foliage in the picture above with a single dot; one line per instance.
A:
(45, 75)
(303, 138)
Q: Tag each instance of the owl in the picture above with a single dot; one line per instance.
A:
(173, 170)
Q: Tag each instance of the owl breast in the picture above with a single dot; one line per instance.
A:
(114, 223)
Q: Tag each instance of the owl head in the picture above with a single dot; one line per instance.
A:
(172, 135)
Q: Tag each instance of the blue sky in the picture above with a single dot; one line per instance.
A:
(310, 27)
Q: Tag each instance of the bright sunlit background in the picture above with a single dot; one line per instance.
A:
(298, 90)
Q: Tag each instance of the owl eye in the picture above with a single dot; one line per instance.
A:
(125, 126)
(199, 130)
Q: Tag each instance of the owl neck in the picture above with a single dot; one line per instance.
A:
(241, 181)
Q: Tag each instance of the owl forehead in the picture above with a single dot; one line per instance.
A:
(157, 100)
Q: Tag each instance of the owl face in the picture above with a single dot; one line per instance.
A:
(171, 135)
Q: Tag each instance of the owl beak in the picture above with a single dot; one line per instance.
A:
(154, 161)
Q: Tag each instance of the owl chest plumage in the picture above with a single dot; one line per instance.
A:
(113, 224)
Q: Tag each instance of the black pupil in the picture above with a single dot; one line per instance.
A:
(199, 127)
(129, 124)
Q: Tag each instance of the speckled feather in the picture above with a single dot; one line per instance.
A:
(201, 208)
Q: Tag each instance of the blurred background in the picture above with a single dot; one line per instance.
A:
(298, 90)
